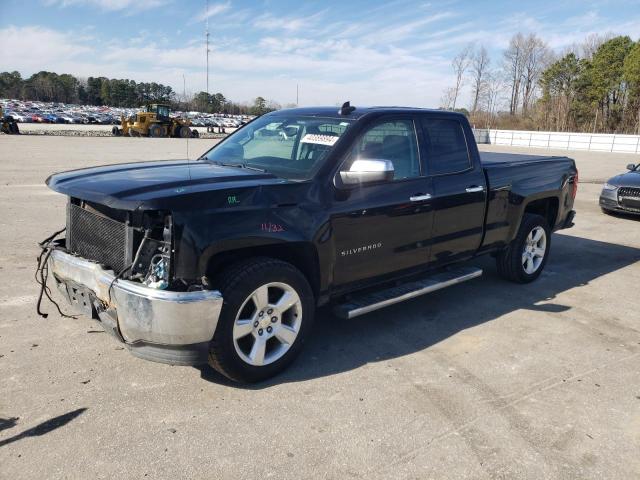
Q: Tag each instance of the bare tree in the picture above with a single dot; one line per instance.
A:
(479, 66)
(514, 63)
(446, 101)
(536, 57)
(494, 87)
(460, 65)
(591, 43)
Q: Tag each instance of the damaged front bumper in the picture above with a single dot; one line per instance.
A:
(158, 325)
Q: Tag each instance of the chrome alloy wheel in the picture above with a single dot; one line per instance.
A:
(267, 324)
(535, 248)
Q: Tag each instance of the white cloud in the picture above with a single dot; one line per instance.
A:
(328, 71)
(212, 11)
(109, 5)
(402, 30)
(268, 21)
(35, 48)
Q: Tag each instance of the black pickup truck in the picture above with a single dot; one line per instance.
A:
(224, 259)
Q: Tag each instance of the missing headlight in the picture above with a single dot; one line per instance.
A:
(152, 265)
(158, 274)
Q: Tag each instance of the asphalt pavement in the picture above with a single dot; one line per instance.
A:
(482, 380)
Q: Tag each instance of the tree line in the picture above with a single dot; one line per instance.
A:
(65, 88)
(590, 87)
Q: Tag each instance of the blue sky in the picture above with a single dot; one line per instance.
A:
(371, 52)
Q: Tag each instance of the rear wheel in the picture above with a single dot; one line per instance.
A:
(524, 259)
(267, 313)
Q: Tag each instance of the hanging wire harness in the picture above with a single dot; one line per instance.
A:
(42, 274)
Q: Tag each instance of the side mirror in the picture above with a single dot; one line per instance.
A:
(631, 167)
(367, 171)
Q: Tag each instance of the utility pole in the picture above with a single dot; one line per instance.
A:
(184, 88)
(207, 35)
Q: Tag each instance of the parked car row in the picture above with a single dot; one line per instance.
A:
(49, 112)
(217, 121)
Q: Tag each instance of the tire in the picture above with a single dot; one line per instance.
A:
(234, 348)
(184, 132)
(116, 132)
(195, 134)
(156, 131)
(523, 260)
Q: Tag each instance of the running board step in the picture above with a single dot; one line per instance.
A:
(368, 302)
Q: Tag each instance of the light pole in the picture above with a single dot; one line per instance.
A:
(207, 37)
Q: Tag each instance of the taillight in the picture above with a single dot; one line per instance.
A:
(575, 185)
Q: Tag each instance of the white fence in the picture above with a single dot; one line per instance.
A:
(601, 142)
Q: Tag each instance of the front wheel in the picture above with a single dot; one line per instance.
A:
(184, 132)
(524, 259)
(267, 313)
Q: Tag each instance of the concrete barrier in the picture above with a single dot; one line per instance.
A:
(601, 142)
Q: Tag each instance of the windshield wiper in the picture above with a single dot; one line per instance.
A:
(258, 169)
(239, 165)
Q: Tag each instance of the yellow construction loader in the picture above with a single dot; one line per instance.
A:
(154, 121)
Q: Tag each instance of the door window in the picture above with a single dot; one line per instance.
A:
(390, 140)
(445, 146)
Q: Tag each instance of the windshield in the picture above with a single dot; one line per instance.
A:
(292, 147)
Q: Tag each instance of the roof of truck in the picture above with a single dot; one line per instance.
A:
(358, 112)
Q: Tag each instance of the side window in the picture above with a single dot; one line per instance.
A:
(445, 146)
(391, 140)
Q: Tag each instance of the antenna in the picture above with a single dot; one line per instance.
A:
(207, 36)
(346, 108)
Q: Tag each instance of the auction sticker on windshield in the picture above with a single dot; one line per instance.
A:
(329, 140)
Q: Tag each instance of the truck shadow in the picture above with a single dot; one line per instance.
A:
(337, 345)
(42, 428)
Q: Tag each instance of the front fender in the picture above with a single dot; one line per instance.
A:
(200, 237)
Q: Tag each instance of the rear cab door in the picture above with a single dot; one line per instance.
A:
(459, 186)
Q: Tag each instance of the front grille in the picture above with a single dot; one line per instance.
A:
(629, 198)
(98, 238)
(633, 192)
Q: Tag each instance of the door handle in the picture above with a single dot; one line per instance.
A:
(419, 198)
(474, 189)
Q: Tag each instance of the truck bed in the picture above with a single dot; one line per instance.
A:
(511, 178)
(489, 159)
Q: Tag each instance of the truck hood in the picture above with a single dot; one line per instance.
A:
(155, 185)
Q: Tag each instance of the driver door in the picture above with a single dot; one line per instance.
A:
(383, 227)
